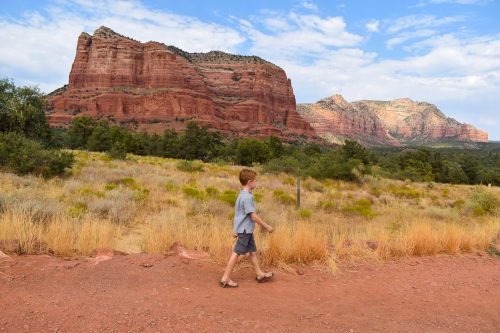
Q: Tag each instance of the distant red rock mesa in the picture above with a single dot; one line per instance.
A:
(398, 122)
(157, 86)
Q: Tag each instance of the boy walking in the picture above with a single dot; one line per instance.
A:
(244, 223)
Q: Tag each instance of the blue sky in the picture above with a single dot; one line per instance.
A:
(446, 52)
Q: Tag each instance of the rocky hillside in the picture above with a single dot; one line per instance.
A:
(158, 86)
(397, 122)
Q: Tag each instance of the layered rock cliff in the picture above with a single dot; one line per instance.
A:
(158, 86)
(397, 122)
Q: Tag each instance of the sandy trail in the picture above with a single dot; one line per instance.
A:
(143, 293)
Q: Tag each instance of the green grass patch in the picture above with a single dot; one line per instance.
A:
(190, 166)
(229, 197)
(362, 207)
(404, 192)
(110, 186)
(194, 193)
(305, 213)
(283, 197)
(77, 210)
(212, 191)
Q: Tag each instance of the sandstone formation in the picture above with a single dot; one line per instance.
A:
(156, 86)
(397, 122)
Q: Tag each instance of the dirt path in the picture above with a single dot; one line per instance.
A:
(141, 293)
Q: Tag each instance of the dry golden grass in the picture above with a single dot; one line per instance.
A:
(147, 204)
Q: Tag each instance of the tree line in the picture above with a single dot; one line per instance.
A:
(29, 145)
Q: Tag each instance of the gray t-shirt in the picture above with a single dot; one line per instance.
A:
(244, 206)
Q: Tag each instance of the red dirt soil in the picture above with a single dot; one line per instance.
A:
(143, 293)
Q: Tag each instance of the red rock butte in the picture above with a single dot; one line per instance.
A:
(156, 86)
(398, 122)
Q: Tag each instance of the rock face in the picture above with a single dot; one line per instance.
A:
(397, 122)
(157, 87)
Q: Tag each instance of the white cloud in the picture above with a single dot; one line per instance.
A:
(40, 48)
(408, 35)
(302, 36)
(309, 5)
(420, 22)
(373, 26)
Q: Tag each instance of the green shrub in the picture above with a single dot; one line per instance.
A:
(212, 191)
(87, 191)
(328, 206)
(257, 197)
(483, 202)
(312, 184)
(190, 166)
(229, 196)
(110, 187)
(289, 181)
(284, 198)
(127, 181)
(141, 194)
(305, 213)
(404, 192)
(77, 210)
(361, 207)
(194, 193)
(170, 186)
(118, 151)
(24, 156)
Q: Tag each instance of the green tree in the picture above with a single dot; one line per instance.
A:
(353, 150)
(276, 146)
(80, 130)
(22, 110)
(101, 137)
(197, 143)
(251, 151)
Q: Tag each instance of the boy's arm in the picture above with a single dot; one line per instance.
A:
(259, 221)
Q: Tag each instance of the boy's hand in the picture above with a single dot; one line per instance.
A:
(270, 229)
(235, 235)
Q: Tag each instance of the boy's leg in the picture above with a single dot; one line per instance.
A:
(230, 266)
(261, 276)
(255, 262)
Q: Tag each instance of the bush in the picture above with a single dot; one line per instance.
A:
(361, 207)
(404, 192)
(305, 213)
(128, 181)
(24, 156)
(229, 196)
(190, 166)
(483, 202)
(284, 198)
(118, 151)
(194, 193)
(212, 191)
(328, 206)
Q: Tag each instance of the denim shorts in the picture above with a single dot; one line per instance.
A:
(245, 244)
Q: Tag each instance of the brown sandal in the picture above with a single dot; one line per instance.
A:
(265, 277)
(228, 284)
